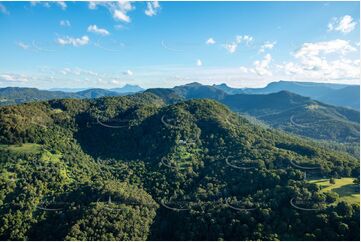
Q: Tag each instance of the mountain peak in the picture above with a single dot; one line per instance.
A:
(130, 85)
(193, 84)
(127, 88)
(221, 85)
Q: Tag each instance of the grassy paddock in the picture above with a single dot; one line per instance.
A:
(344, 187)
(28, 148)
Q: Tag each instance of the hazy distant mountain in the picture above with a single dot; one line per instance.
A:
(229, 90)
(125, 89)
(168, 95)
(347, 97)
(197, 90)
(329, 93)
(97, 92)
(15, 95)
(303, 88)
(68, 89)
(128, 89)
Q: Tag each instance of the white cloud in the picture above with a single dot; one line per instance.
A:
(244, 69)
(261, 67)
(210, 41)
(94, 29)
(128, 73)
(92, 5)
(119, 10)
(3, 9)
(119, 26)
(116, 81)
(313, 61)
(342, 69)
(232, 47)
(343, 24)
(267, 45)
(13, 78)
(152, 8)
(84, 40)
(61, 4)
(65, 23)
(245, 38)
(337, 46)
(120, 15)
(34, 3)
(23, 45)
(199, 62)
(77, 72)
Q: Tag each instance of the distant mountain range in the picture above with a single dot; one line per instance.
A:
(127, 88)
(16, 95)
(334, 94)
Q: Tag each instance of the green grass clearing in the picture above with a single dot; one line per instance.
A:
(344, 187)
(27, 148)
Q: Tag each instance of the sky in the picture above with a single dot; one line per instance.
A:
(164, 44)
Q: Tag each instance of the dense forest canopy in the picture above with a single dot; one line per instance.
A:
(139, 168)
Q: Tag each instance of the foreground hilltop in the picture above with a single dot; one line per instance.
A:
(193, 170)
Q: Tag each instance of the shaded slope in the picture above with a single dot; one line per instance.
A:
(300, 115)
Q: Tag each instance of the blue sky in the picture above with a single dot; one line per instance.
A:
(162, 44)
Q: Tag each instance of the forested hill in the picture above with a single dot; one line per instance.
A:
(334, 94)
(287, 111)
(299, 115)
(284, 110)
(134, 168)
(17, 95)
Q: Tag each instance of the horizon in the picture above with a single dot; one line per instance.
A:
(76, 89)
(153, 44)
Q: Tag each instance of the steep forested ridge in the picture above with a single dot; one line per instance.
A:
(299, 115)
(135, 168)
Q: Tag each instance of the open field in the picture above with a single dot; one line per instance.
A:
(29, 148)
(344, 187)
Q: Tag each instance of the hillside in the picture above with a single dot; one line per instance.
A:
(347, 96)
(299, 115)
(134, 168)
(17, 95)
(284, 110)
(96, 92)
(127, 89)
(197, 90)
